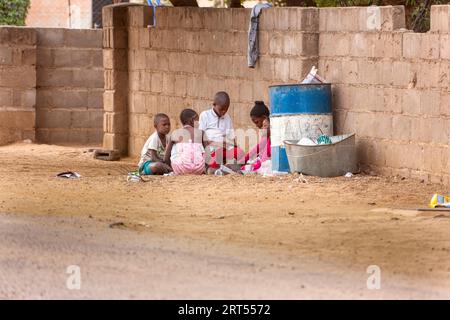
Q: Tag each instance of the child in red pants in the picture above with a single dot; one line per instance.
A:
(218, 127)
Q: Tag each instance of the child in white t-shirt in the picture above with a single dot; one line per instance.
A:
(218, 127)
(152, 154)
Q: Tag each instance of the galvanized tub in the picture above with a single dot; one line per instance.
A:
(323, 160)
(296, 111)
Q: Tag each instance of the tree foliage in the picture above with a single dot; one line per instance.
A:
(13, 12)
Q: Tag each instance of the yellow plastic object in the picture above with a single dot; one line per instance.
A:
(439, 201)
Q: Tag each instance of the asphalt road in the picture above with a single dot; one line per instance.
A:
(81, 258)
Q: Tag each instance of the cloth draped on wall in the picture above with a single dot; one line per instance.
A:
(253, 48)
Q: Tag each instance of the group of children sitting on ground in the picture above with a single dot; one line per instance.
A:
(204, 143)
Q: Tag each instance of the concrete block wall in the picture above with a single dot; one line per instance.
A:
(194, 52)
(17, 84)
(391, 87)
(70, 84)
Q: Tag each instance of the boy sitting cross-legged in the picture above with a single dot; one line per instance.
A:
(152, 154)
(218, 127)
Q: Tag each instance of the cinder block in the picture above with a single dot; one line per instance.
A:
(62, 98)
(432, 159)
(154, 104)
(440, 18)
(411, 101)
(144, 38)
(116, 38)
(430, 102)
(95, 99)
(115, 16)
(281, 21)
(50, 37)
(433, 130)
(267, 19)
(86, 119)
(6, 56)
(114, 101)
(55, 78)
(445, 103)
(134, 38)
(420, 45)
(444, 42)
(334, 44)
(140, 16)
(24, 77)
(115, 122)
(240, 18)
(393, 100)
(388, 44)
(24, 98)
(350, 71)
(97, 58)
(44, 57)
(371, 18)
(265, 68)
(145, 81)
(22, 36)
(115, 59)
(71, 58)
(369, 72)
(429, 75)
(138, 103)
(106, 155)
(304, 19)
(180, 85)
(28, 56)
(246, 91)
(116, 80)
(6, 99)
(91, 78)
(331, 70)
(299, 68)
(282, 71)
(402, 73)
(53, 119)
(156, 82)
(79, 38)
(401, 128)
(393, 18)
(261, 90)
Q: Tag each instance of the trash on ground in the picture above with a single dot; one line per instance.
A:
(301, 179)
(306, 142)
(348, 175)
(117, 225)
(69, 175)
(313, 77)
(323, 139)
(223, 171)
(439, 201)
(133, 176)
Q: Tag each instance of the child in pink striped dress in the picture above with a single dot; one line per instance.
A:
(185, 151)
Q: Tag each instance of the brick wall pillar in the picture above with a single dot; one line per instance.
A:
(115, 63)
(118, 22)
(17, 84)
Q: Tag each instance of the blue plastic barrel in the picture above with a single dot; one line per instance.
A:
(297, 111)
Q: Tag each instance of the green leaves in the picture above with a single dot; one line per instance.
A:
(13, 12)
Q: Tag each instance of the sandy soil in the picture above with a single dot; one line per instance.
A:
(350, 223)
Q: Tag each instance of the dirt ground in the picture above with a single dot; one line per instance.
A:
(349, 222)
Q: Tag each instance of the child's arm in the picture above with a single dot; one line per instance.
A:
(168, 152)
(152, 156)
